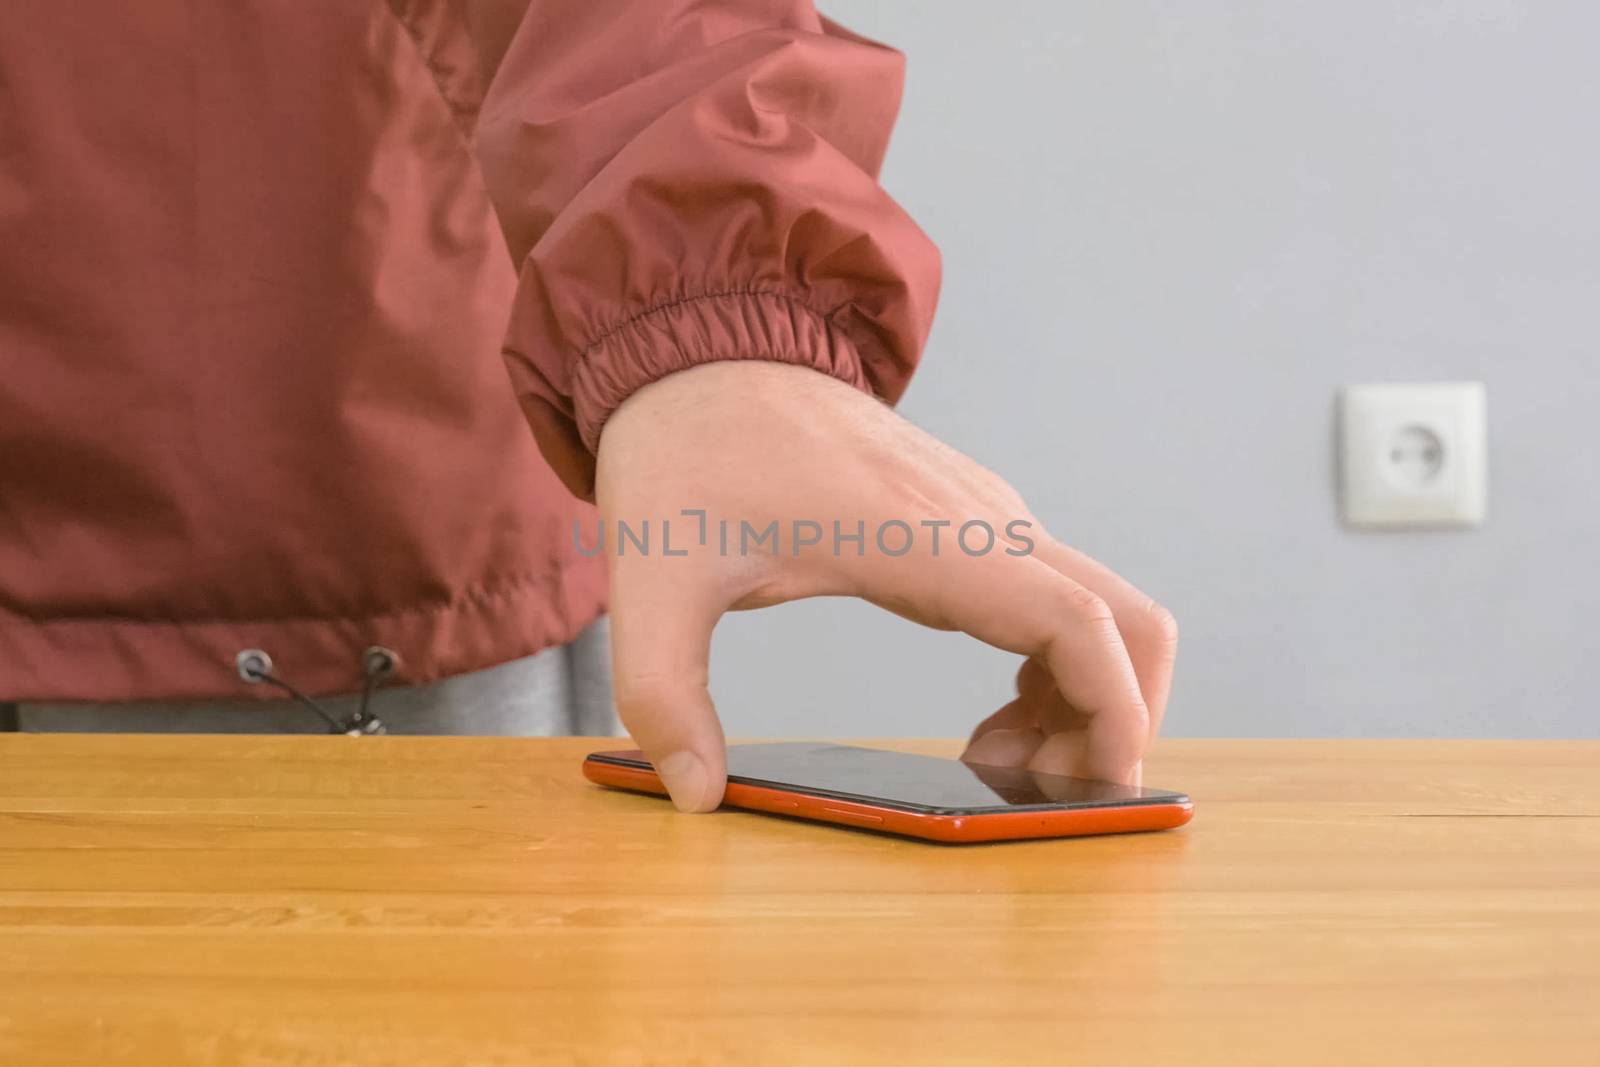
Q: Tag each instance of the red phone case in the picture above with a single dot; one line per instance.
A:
(951, 829)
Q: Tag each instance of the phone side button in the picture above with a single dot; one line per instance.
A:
(854, 816)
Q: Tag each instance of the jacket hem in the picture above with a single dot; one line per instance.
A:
(127, 659)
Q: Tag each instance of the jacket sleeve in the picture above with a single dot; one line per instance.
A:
(684, 181)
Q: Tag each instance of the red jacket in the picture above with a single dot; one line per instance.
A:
(255, 292)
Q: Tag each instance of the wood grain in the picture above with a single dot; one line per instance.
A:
(264, 900)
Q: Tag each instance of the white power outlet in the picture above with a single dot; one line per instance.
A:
(1415, 455)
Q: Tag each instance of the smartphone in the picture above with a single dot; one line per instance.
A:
(916, 796)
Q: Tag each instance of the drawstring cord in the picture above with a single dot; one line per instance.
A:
(255, 667)
(379, 663)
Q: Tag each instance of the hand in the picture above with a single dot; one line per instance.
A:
(753, 442)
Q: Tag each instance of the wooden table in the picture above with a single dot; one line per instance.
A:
(474, 901)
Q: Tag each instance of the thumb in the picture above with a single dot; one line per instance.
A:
(660, 656)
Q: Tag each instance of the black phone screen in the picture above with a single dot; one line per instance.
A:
(912, 782)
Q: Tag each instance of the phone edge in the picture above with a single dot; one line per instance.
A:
(948, 829)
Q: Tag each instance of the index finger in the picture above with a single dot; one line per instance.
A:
(1023, 605)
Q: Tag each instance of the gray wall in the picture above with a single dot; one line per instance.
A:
(1171, 231)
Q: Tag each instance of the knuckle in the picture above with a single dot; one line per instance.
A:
(1162, 624)
(1008, 500)
(1089, 607)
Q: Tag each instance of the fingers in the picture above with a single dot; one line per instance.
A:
(1038, 729)
(1026, 606)
(1148, 630)
(660, 646)
(1008, 738)
(1013, 734)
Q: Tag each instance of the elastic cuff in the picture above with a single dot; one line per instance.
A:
(708, 328)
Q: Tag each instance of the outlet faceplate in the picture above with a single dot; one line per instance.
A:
(1414, 455)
